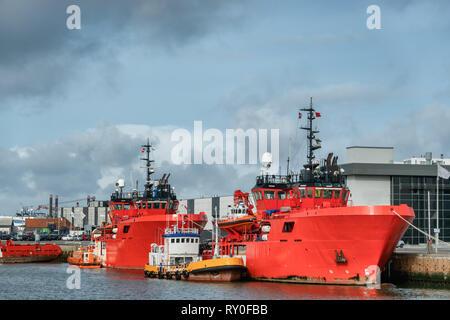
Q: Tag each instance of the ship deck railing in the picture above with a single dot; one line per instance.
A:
(181, 230)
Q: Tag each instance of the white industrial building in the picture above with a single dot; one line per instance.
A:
(86, 217)
(207, 205)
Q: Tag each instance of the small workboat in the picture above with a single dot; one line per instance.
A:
(179, 259)
(85, 258)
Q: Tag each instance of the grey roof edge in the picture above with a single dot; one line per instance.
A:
(370, 147)
(390, 169)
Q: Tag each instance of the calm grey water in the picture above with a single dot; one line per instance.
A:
(49, 282)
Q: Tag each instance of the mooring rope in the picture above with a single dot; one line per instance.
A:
(428, 235)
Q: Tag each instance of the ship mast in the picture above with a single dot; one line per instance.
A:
(310, 135)
(150, 170)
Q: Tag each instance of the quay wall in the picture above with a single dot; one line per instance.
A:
(420, 267)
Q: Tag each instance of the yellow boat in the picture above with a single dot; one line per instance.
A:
(184, 262)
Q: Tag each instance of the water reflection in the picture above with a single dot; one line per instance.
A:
(48, 281)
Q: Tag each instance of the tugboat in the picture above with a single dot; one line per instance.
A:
(179, 259)
(138, 219)
(304, 230)
(23, 253)
(85, 258)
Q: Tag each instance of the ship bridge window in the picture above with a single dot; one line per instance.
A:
(327, 194)
(156, 205)
(269, 195)
(182, 240)
(172, 240)
(337, 194)
(318, 193)
(144, 205)
(175, 206)
(127, 206)
(119, 206)
(344, 195)
(310, 192)
(149, 205)
(288, 226)
(139, 205)
(256, 195)
(282, 195)
(126, 229)
(163, 205)
(178, 240)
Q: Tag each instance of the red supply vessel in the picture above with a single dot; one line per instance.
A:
(305, 231)
(22, 253)
(139, 219)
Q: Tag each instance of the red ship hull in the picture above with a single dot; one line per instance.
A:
(366, 236)
(130, 250)
(26, 253)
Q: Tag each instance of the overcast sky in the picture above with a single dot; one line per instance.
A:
(75, 105)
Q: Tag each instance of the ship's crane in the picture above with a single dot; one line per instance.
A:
(241, 196)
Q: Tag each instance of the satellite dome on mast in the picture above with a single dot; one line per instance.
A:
(266, 160)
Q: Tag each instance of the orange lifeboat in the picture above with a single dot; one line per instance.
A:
(239, 219)
(84, 258)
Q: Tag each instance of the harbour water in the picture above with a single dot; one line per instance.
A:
(52, 281)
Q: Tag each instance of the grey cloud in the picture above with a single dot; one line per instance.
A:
(73, 166)
(425, 129)
(39, 56)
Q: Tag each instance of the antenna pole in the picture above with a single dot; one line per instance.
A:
(311, 137)
(148, 166)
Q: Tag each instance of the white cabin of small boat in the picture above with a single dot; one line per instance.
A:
(181, 246)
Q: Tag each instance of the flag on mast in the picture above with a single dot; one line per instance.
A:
(443, 173)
